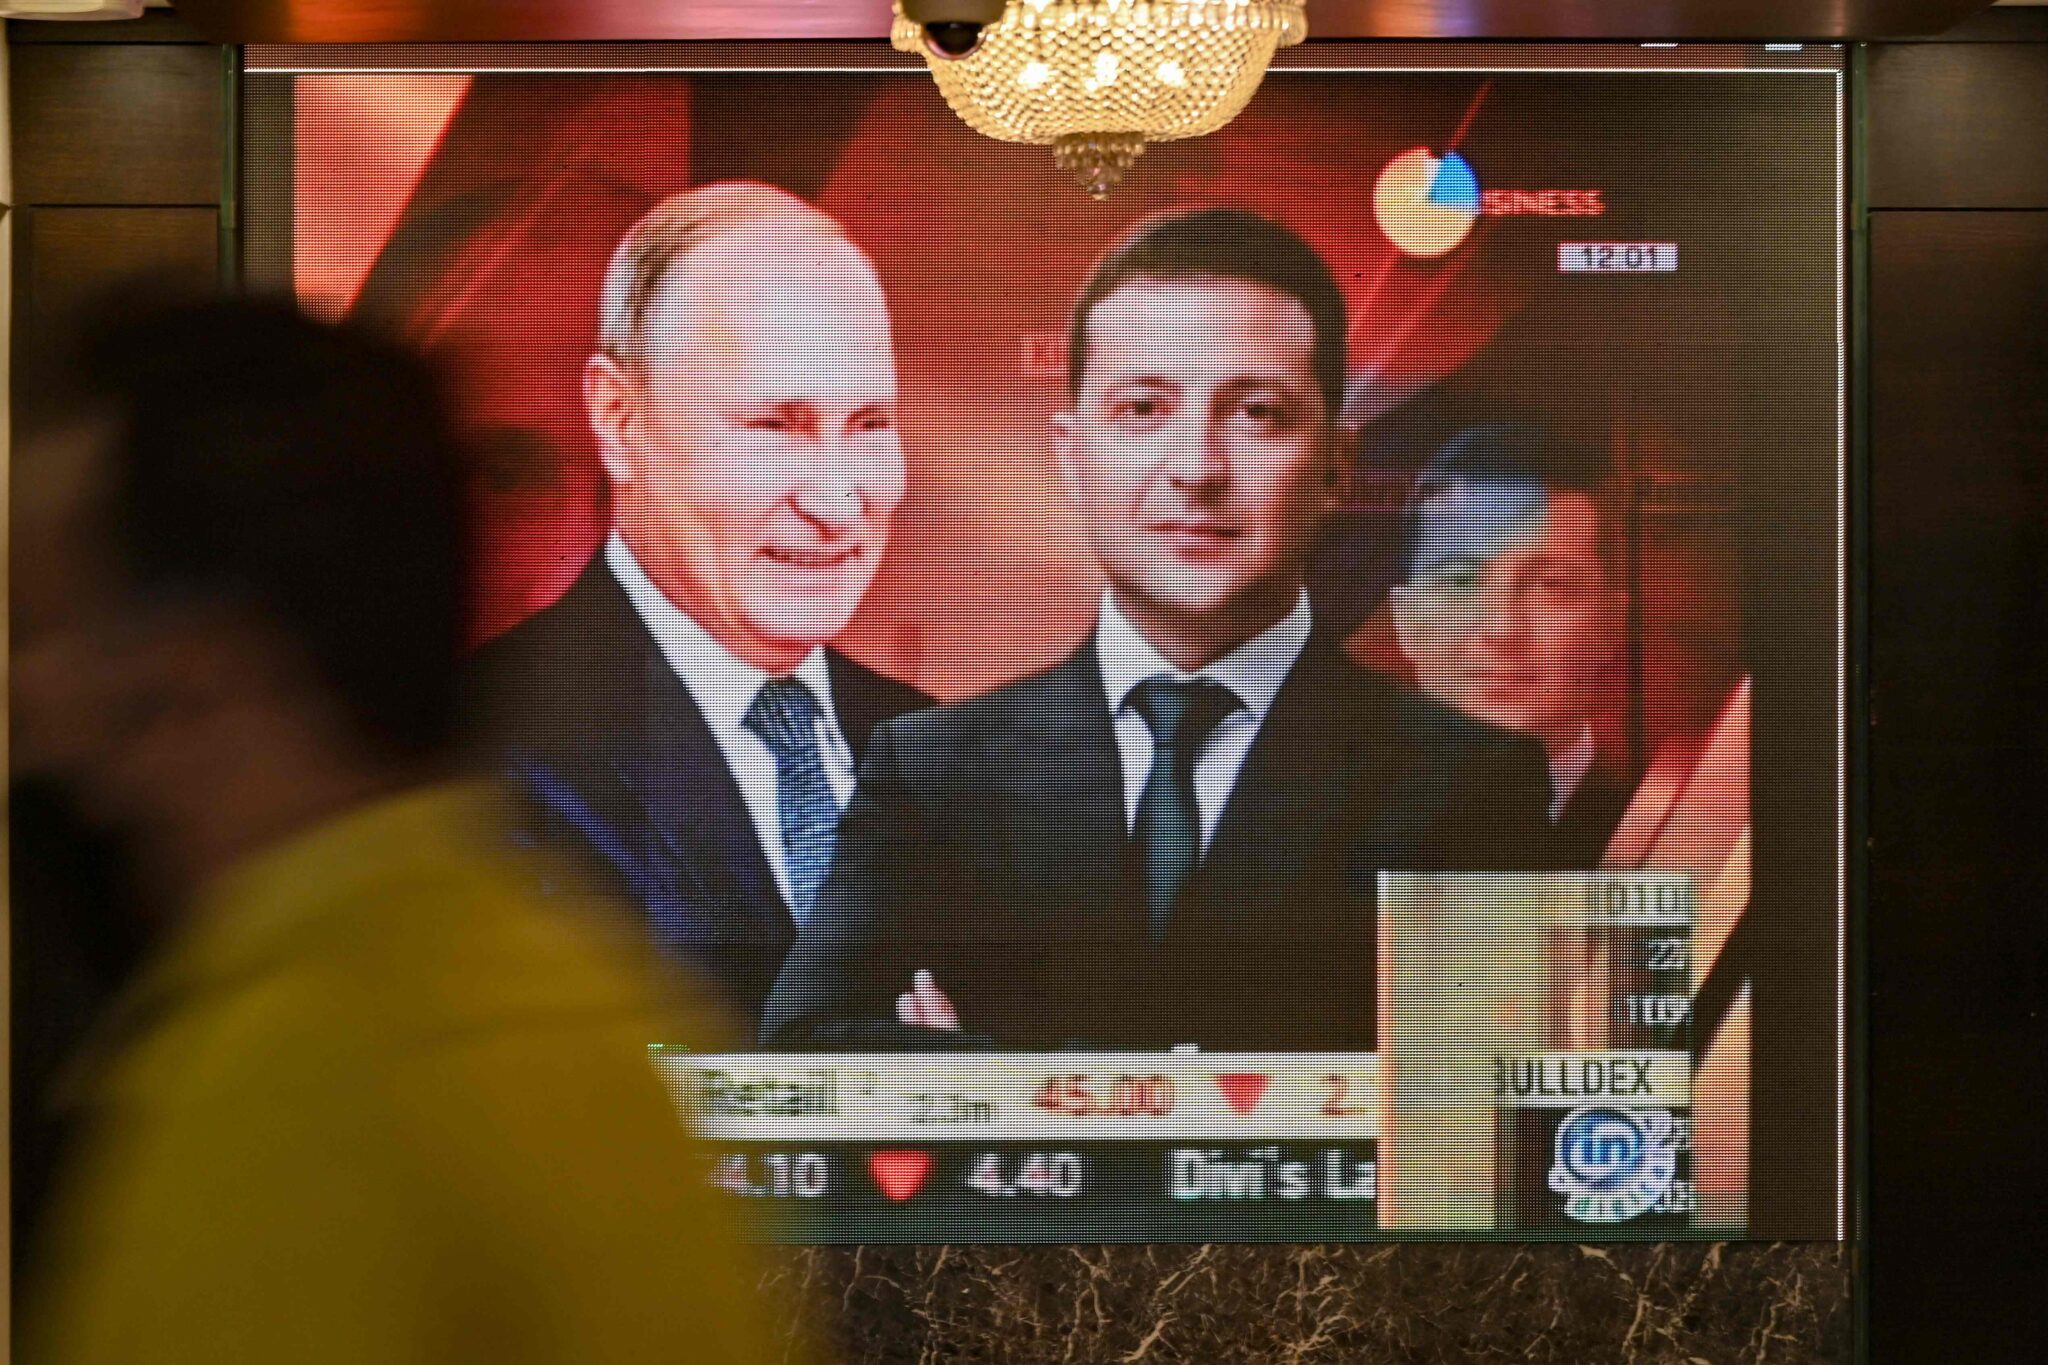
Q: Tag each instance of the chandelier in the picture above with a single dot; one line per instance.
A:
(1098, 79)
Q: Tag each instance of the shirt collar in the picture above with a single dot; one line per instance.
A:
(1568, 768)
(722, 685)
(1254, 671)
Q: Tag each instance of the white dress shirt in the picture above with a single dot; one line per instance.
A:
(1253, 671)
(724, 688)
(1568, 768)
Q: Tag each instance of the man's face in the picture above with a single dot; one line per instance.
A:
(754, 456)
(1509, 613)
(1198, 452)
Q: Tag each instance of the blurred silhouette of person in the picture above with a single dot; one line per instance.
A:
(1173, 836)
(677, 718)
(78, 930)
(1513, 609)
(372, 1099)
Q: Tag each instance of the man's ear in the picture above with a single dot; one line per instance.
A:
(611, 402)
(1401, 610)
(1063, 442)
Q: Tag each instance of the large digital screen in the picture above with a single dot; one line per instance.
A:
(1301, 699)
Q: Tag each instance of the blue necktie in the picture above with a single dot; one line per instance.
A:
(1181, 716)
(785, 715)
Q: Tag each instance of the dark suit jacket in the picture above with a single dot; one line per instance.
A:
(988, 843)
(1592, 813)
(618, 768)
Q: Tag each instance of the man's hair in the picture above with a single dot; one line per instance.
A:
(670, 231)
(301, 471)
(1518, 452)
(1230, 244)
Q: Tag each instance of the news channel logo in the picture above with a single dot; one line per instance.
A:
(1425, 204)
(1611, 1164)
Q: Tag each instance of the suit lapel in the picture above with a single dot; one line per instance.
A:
(1062, 794)
(668, 760)
(1587, 823)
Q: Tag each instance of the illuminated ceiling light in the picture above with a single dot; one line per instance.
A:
(1098, 79)
(71, 9)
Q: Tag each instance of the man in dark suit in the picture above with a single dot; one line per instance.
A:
(676, 718)
(1172, 837)
(1513, 608)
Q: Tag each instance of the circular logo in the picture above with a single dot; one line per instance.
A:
(1426, 204)
(1613, 1164)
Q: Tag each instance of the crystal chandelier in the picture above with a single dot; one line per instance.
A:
(1098, 79)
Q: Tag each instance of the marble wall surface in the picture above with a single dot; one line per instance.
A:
(1419, 1303)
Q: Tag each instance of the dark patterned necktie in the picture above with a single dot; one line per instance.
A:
(785, 716)
(1181, 716)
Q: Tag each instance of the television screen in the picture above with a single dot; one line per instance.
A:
(1300, 699)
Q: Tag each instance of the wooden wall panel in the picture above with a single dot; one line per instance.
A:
(1958, 658)
(2014, 21)
(68, 256)
(116, 123)
(1958, 661)
(1959, 125)
(119, 152)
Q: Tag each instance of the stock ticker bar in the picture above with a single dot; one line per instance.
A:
(1147, 1146)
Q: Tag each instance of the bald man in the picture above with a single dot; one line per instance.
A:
(677, 717)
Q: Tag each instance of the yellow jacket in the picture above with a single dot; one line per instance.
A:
(377, 1104)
